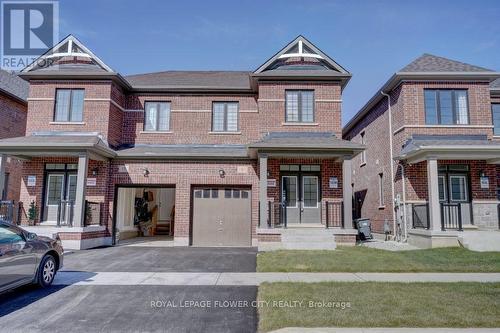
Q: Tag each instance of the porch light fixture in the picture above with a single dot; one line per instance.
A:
(145, 172)
(95, 171)
(222, 173)
(482, 174)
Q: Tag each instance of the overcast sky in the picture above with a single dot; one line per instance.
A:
(371, 39)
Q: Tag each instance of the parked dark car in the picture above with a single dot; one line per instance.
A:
(27, 258)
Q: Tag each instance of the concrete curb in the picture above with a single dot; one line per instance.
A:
(385, 330)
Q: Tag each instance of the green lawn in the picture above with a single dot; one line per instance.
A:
(377, 304)
(363, 259)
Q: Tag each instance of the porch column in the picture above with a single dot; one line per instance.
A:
(262, 190)
(433, 192)
(3, 162)
(347, 191)
(81, 185)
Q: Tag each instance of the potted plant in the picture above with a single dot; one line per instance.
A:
(32, 213)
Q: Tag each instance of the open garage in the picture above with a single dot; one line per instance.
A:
(144, 212)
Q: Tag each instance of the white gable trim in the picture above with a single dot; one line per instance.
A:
(70, 40)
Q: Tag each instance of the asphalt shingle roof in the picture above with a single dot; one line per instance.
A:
(190, 79)
(299, 140)
(431, 63)
(182, 151)
(14, 85)
(419, 142)
(495, 84)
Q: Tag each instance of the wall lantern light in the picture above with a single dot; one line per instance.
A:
(95, 171)
(222, 173)
(145, 172)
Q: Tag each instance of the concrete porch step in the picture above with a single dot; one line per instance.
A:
(308, 239)
(480, 240)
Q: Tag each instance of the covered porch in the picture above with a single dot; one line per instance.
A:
(305, 189)
(64, 186)
(458, 195)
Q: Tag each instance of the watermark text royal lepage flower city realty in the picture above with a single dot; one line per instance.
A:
(28, 29)
(332, 304)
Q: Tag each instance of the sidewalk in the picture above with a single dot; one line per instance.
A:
(255, 279)
(385, 330)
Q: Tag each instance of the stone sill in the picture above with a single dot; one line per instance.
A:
(55, 229)
(344, 231)
(225, 133)
(434, 233)
(67, 123)
(268, 231)
(155, 132)
(300, 124)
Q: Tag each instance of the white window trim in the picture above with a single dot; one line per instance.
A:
(296, 190)
(317, 192)
(381, 199)
(466, 188)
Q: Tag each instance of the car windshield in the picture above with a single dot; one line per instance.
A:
(8, 235)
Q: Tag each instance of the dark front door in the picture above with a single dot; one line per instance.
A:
(301, 193)
(454, 192)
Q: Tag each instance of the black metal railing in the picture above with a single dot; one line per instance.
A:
(451, 216)
(92, 213)
(334, 214)
(65, 213)
(276, 214)
(7, 208)
(420, 216)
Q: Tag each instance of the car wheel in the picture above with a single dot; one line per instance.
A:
(47, 271)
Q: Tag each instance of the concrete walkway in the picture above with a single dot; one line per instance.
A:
(255, 279)
(385, 330)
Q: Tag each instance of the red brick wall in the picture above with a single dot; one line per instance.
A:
(12, 124)
(184, 175)
(408, 118)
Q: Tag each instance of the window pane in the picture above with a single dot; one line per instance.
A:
(9, 236)
(62, 105)
(496, 118)
(150, 121)
(290, 191)
(430, 107)
(164, 117)
(310, 191)
(54, 194)
(292, 106)
(307, 106)
(218, 117)
(72, 187)
(232, 117)
(461, 107)
(381, 190)
(77, 105)
(458, 188)
(446, 107)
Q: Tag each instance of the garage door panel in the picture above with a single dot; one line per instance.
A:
(222, 217)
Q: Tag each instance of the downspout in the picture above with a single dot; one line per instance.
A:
(392, 162)
(403, 176)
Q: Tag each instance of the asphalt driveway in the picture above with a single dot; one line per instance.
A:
(138, 308)
(162, 259)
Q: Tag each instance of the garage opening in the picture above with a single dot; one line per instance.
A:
(145, 212)
(222, 216)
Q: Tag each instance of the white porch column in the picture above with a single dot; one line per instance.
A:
(81, 185)
(433, 190)
(3, 162)
(347, 191)
(263, 190)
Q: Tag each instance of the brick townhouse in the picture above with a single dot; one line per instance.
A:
(13, 110)
(430, 170)
(208, 158)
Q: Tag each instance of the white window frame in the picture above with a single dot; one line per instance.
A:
(317, 192)
(225, 121)
(296, 189)
(70, 106)
(445, 189)
(300, 115)
(157, 125)
(466, 188)
(363, 153)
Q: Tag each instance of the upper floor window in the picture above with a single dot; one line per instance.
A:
(157, 116)
(495, 108)
(69, 105)
(225, 116)
(446, 107)
(300, 106)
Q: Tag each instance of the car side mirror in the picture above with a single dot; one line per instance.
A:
(30, 236)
